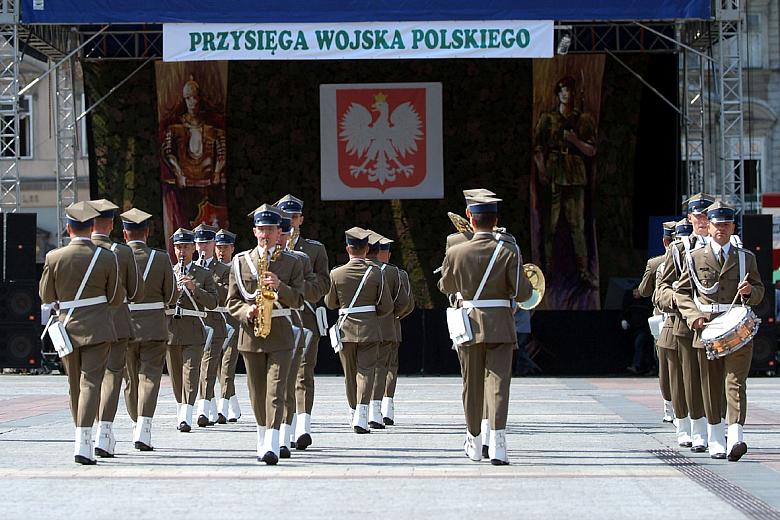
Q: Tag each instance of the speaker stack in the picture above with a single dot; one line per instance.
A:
(20, 306)
(757, 237)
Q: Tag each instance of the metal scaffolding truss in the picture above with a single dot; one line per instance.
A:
(692, 119)
(67, 143)
(10, 192)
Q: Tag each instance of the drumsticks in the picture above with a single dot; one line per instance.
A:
(738, 295)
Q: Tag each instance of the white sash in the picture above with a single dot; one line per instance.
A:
(335, 331)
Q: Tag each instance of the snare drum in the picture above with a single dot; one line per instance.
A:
(729, 332)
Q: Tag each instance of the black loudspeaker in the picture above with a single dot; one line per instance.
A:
(20, 346)
(765, 353)
(19, 303)
(757, 237)
(19, 245)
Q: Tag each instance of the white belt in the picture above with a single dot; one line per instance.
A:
(153, 306)
(710, 307)
(356, 310)
(278, 313)
(484, 304)
(186, 312)
(84, 302)
(218, 309)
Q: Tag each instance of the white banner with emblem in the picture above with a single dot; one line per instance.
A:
(358, 40)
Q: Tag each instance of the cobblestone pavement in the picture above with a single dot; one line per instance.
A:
(595, 448)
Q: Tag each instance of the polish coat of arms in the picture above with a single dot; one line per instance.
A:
(381, 137)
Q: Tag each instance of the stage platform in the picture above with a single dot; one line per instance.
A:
(594, 448)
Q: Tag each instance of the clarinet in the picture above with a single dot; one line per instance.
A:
(177, 314)
(202, 259)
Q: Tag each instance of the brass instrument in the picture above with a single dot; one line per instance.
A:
(265, 298)
(532, 271)
(293, 238)
(179, 275)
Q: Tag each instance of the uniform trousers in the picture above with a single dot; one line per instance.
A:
(143, 374)
(384, 353)
(209, 367)
(227, 373)
(487, 371)
(728, 374)
(304, 386)
(184, 369)
(392, 371)
(266, 377)
(691, 373)
(669, 362)
(663, 375)
(86, 367)
(358, 360)
(292, 377)
(112, 381)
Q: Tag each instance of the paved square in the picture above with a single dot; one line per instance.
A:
(595, 448)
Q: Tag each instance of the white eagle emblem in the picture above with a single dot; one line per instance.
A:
(383, 143)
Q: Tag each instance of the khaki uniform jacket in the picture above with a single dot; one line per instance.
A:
(462, 271)
(649, 288)
(63, 271)
(189, 329)
(159, 286)
(129, 278)
(392, 278)
(221, 274)
(406, 287)
(361, 327)
(709, 272)
(670, 276)
(318, 259)
(290, 272)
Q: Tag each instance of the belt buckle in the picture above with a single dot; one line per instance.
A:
(564, 151)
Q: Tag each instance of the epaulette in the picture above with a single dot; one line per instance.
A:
(162, 251)
(314, 242)
(506, 237)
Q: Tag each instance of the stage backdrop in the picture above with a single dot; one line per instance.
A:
(381, 141)
(191, 104)
(567, 103)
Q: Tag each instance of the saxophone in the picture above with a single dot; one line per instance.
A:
(264, 299)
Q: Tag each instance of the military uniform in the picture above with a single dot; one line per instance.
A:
(84, 311)
(675, 264)
(268, 359)
(359, 325)
(387, 328)
(187, 333)
(304, 387)
(207, 404)
(492, 326)
(146, 352)
(705, 292)
(129, 279)
(228, 409)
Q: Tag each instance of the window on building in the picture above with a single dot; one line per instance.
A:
(8, 131)
(754, 42)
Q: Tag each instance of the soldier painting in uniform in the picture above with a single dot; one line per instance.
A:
(146, 351)
(487, 274)
(719, 274)
(133, 288)
(265, 284)
(357, 290)
(82, 279)
(205, 243)
(228, 409)
(187, 332)
(304, 387)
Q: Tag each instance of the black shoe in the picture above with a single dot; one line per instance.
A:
(203, 421)
(103, 454)
(284, 452)
(184, 427)
(485, 452)
(388, 421)
(699, 449)
(269, 458)
(686, 445)
(234, 420)
(375, 425)
(221, 419)
(718, 456)
(303, 442)
(737, 451)
(142, 447)
(80, 459)
(499, 462)
(293, 445)
(360, 429)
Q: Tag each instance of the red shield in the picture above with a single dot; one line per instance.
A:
(382, 137)
(211, 214)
